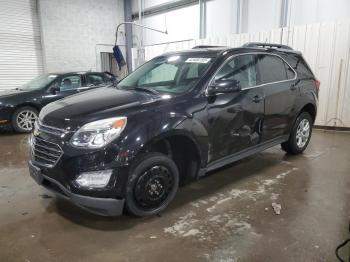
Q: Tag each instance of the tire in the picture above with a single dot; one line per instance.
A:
(298, 141)
(152, 185)
(23, 119)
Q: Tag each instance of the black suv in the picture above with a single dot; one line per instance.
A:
(19, 107)
(176, 117)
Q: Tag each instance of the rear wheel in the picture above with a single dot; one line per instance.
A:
(152, 185)
(300, 135)
(23, 119)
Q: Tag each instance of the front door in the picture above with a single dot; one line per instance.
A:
(63, 87)
(235, 119)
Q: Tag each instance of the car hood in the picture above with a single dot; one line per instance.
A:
(76, 110)
(11, 93)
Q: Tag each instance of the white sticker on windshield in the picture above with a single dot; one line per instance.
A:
(199, 60)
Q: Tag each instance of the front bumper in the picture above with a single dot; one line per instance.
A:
(99, 206)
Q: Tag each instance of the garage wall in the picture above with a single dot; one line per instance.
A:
(178, 28)
(255, 16)
(76, 31)
(313, 11)
(261, 15)
(224, 10)
(20, 44)
(326, 47)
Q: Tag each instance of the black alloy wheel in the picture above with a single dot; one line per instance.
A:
(152, 185)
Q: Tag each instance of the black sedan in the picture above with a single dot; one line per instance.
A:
(20, 107)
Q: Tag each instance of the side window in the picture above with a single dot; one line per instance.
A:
(289, 70)
(161, 73)
(241, 68)
(273, 69)
(70, 82)
(94, 79)
(299, 65)
(108, 78)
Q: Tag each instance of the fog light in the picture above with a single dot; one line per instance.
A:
(95, 179)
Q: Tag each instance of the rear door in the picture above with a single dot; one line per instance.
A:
(234, 119)
(277, 79)
(94, 80)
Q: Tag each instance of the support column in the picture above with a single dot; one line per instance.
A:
(128, 33)
(202, 19)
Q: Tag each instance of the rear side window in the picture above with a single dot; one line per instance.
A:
(94, 79)
(273, 69)
(300, 66)
(240, 68)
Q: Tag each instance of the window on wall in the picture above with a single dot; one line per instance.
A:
(273, 69)
(240, 68)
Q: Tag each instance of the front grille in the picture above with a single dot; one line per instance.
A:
(39, 126)
(45, 153)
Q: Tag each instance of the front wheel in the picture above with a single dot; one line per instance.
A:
(300, 135)
(152, 185)
(23, 119)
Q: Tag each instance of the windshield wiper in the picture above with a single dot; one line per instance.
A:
(149, 90)
(140, 88)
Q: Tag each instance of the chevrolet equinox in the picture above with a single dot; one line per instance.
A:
(128, 147)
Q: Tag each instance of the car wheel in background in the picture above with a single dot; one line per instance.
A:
(23, 119)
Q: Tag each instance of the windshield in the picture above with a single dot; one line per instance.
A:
(172, 74)
(39, 82)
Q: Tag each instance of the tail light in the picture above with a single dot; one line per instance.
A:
(318, 83)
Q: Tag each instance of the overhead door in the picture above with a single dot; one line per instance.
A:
(20, 45)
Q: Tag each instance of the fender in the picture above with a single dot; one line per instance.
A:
(308, 97)
(138, 138)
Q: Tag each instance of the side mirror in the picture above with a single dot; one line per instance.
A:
(54, 88)
(224, 86)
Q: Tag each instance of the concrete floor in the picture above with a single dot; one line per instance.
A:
(226, 216)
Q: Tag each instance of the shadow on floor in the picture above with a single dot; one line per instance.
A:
(212, 183)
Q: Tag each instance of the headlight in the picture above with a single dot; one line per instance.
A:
(99, 133)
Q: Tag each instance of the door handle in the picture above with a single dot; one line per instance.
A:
(257, 99)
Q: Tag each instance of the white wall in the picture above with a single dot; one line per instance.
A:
(179, 26)
(221, 17)
(71, 30)
(314, 11)
(261, 15)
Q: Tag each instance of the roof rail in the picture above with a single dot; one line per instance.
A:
(206, 46)
(267, 45)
